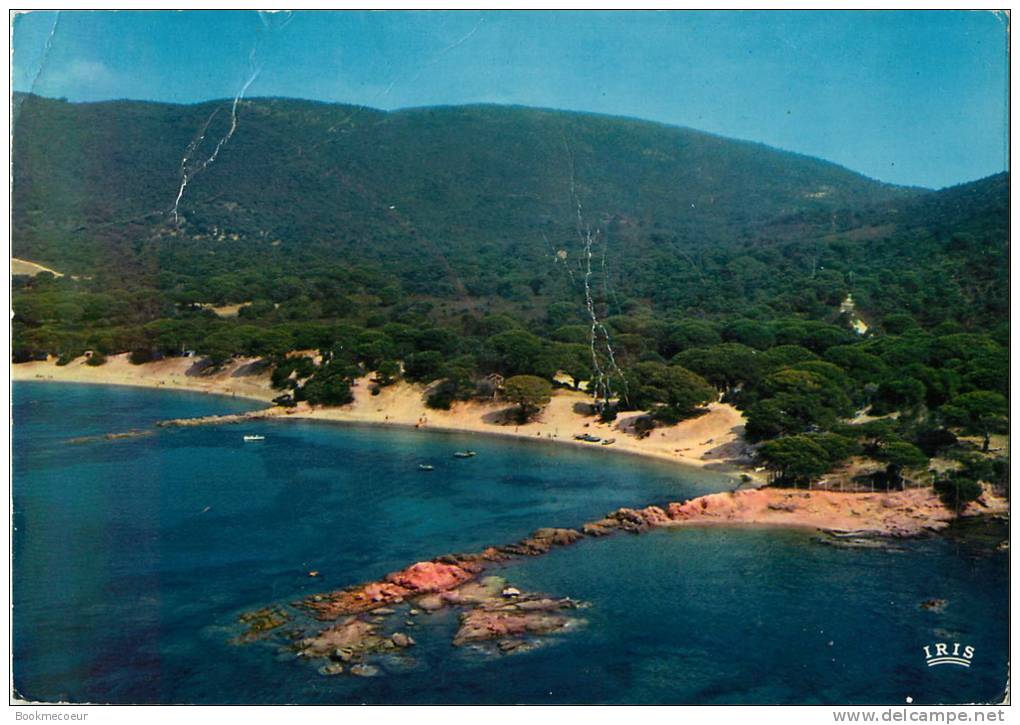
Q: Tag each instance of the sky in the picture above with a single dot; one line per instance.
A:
(914, 97)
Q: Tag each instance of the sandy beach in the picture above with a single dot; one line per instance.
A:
(240, 378)
(713, 439)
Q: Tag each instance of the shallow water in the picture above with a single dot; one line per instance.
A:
(134, 557)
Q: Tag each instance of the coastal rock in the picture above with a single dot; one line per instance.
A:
(352, 635)
(510, 645)
(431, 603)
(854, 543)
(654, 516)
(541, 541)
(261, 621)
(510, 551)
(898, 515)
(402, 640)
(507, 619)
(134, 433)
(631, 521)
(343, 654)
(516, 645)
(711, 506)
(333, 668)
(488, 589)
(602, 527)
(678, 511)
(498, 612)
(420, 578)
(377, 593)
(899, 532)
(500, 618)
(556, 537)
(431, 576)
(544, 605)
(215, 419)
(491, 553)
(364, 670)
(355, 600)
(481, 625)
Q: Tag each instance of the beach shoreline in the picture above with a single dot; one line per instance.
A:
(849, 520)
(713, 440)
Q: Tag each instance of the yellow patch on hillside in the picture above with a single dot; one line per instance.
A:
(23, 266)
(224, 310)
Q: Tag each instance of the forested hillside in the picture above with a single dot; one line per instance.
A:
(445, 244)
(456, 190)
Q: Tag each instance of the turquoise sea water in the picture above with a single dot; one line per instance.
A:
(134, 557)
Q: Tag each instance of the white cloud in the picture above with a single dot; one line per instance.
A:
(81, 78)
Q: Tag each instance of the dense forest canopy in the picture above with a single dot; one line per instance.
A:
(451, 244)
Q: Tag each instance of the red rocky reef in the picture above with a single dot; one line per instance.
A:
(506, 618)
(431, 577)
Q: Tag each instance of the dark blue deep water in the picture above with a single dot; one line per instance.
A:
(133, 559)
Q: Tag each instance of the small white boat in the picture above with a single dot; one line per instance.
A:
(425, 467)
(254, 438)
(464, 454)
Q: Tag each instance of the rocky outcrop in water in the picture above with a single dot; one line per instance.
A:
(503, 621)
(433, 576)
(135, 433)
(261, 621)
(424, 577)
(494, 616)
(353, 636)
(431, 581)
(225, 419)
(506, 620)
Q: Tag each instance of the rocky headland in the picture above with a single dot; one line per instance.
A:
(373, 619)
